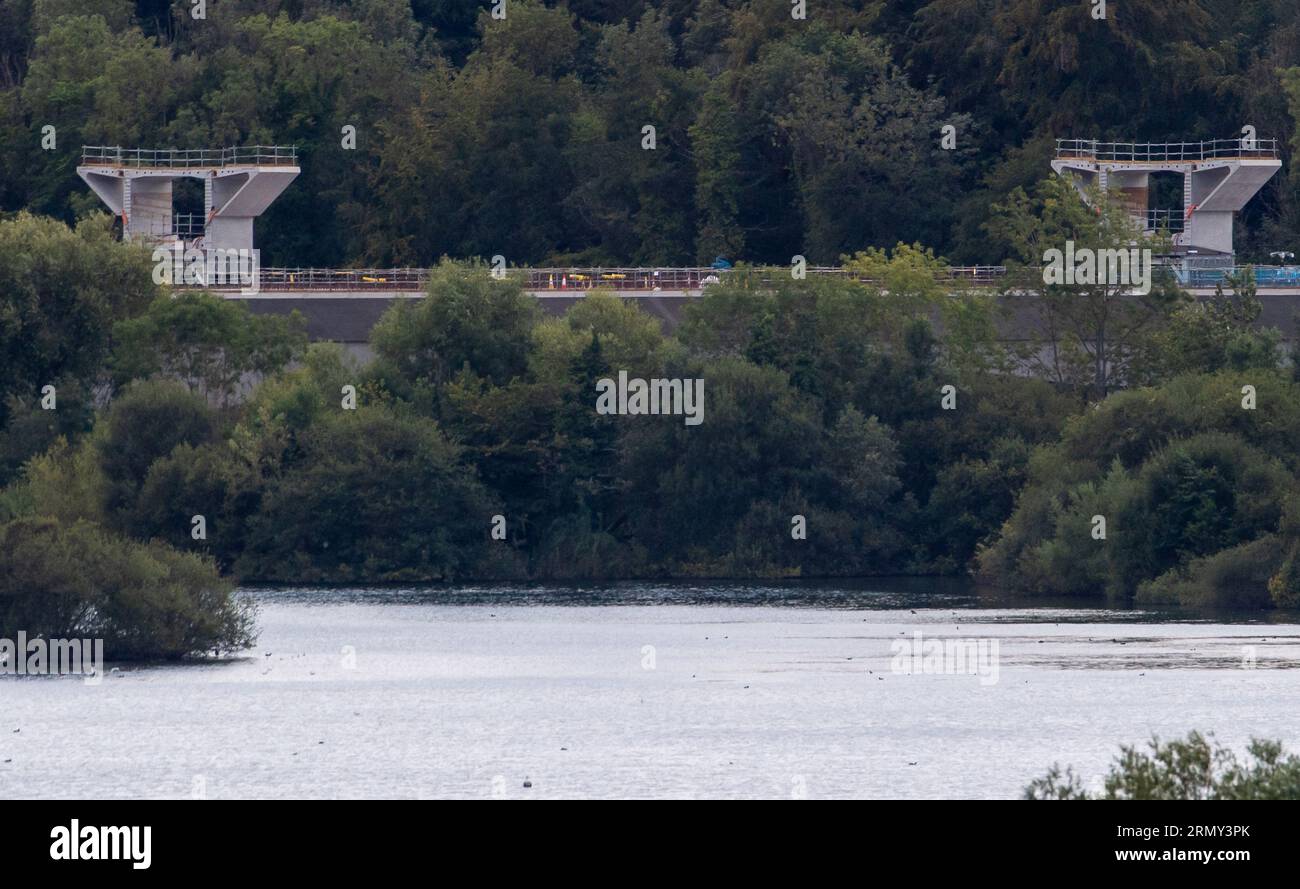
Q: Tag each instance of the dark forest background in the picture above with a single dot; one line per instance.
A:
(522, 136)
(888, 415)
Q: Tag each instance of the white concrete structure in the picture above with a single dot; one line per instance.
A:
(238, 185)
(1219, 178)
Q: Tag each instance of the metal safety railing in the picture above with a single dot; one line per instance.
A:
(1265, 276)
(1203, 272)
(1166, 152)
(561, 280)
(697, 278)
(182, 158)
(404, 279)
(1207, 261)
(1165, 220)
(188, 225)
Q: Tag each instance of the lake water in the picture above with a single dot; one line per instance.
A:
(650, 691)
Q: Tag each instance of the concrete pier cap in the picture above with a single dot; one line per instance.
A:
(238, 185)
(1220, 176)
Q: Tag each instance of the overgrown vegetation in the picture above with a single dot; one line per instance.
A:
(889, 416)
(893, 417)
(1195, 768)
(522, 136)
(145, 600)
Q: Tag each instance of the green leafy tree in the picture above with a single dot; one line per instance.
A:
(717, 143)
(1212, 334)
(144, 425)
(1196, 497)
(209, 343)
(1193, 768)
(372, 496)
(210, 480)
(638, 200)
(585, 511)
(32, 429)
(102, 87)
(61, 290)
(143, 600)
(910, 283)
(467, 318)
(1087, 333)
(1181, 473)
(718, 498)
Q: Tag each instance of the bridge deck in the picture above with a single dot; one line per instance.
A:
(348, 317)
(646, 280)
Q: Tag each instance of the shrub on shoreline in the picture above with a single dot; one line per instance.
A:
(145, 600)
(1194, 768)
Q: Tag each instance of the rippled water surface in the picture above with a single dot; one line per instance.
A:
(650, 691)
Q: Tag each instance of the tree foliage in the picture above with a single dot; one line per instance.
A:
(212, 345)
(61, 290)
(1193, 768)
(523, 136)
(145, 600)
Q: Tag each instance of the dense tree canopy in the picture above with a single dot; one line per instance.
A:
(525, 136)
(852, 427)
(849, 428)
(60, 292)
